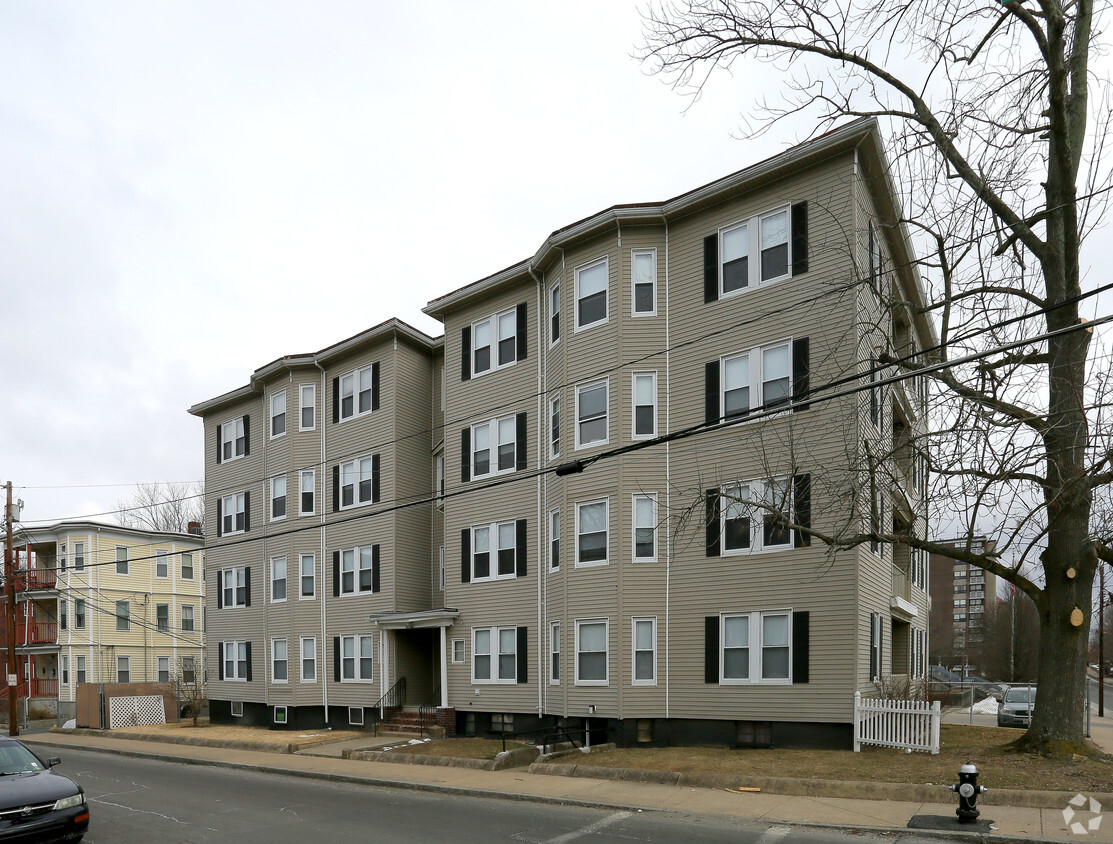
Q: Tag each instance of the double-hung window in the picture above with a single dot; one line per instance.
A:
(162, 618)
(278, 579)
(499, 541)
(357, 570)
(235, 661)
(123, 669)
(63, 614)
(278, 414)
(121, 559)
(495, 655)
(188, 618)
(80, 663)
(357, 482)
(308, 577)
(79, 614)
(592, 652)
(554, 653)
(495, 341)
(189, 670)
(645, 652)
(307, 407)
(309, 660)
(592, 283)
(307, 485)
(592, 530)
(357, 392)
(234, 587)
(187, 565)
(162, 564)
(592, 406)
(644, 271)
(754, 379)
(876, 396)
(233, 513)
(756, 648)
(79, 556)
(554, 427)
(123, 615)
(744, 506)
(494, 447)
(278, 498)
(280, 661)
(645, 404)
(233, 439)
(554, 314)
(356, 659)
(876, 260)
(767, 236)
(554, 540)
(645, 528)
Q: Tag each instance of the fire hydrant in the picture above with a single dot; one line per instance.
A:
(967, 789)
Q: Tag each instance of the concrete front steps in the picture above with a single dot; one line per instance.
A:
(407, 722)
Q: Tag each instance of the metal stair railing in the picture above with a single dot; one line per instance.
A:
(395, 698)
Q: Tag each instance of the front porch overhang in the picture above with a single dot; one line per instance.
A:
(443, 617)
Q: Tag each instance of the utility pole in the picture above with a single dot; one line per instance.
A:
(1101, 645)
(9, 577)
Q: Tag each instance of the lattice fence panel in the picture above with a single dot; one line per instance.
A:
(131, 711)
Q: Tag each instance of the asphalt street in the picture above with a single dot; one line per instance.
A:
(136, 801)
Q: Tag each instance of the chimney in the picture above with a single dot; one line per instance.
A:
(194, 528)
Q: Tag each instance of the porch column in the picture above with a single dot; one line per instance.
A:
(444, 667)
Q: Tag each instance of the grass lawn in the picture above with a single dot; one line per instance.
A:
(228, 732)
(984, 746)
(466, 748)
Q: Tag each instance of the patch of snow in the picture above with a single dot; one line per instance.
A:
(986, 707)
(70, 724)
(414, 741)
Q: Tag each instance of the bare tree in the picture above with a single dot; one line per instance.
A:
(190, 687)
(1010, 641)
(999, 162)
(165, 507)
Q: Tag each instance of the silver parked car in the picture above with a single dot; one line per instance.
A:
(1016, 706)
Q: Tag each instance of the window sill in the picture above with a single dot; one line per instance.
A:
(494, 682)
(592, 444)
(577, 329)
(592, 564)
(344, 419)
(593, 682)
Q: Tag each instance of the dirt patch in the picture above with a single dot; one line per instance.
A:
(984, 746)
(228, 732)
(460, 748)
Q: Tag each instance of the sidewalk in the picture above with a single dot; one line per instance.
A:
(1010, 823)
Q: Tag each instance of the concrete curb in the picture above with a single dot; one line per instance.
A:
(227, 744)
(516, 758)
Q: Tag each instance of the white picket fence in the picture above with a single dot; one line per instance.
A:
(909, 724)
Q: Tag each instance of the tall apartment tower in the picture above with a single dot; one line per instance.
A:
(590, 502)
(961, 595)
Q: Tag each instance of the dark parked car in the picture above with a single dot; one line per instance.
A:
(37, 804)
(1016, 706)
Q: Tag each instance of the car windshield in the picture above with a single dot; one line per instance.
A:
(1025, 695)
(17, 759)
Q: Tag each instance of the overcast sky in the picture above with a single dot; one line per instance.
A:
(175, 176)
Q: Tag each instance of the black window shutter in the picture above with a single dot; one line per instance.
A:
(711, 392)
(802, 502)
(711, 272)
(800, 644)
(799, 238)
(336, 574)
(375, 477)
(220, 660)
(375, 385)
(801, 371)
(220, 590)
(246, 434)
(523, 655)
(520, 441)
(711, 649)
(465, 353)
(713, 529)
(336, 488)
(247, 648)
(520, 327)
(873, 646)
(374, 568)
(520, 550)
(246, 510)
(219, 453)
(335, 400)
(465, 555)
(336, 659)
(465, 455)
(247, 586)
(220, 517)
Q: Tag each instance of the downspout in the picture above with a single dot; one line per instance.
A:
(265, 416)
(668, 472)
(320, 504)
(540, 527)
(99, 667)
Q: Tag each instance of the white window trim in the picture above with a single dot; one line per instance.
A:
(554, 408)
(357, 559)
(162, 558)
(193, 620)
(63, 674)
(493, 552)
(606, 502)
(492, 426)
(271, 498)
(301, 561)
(80, 666)
(158, 669)
(302, 660)
(494, 655)
(634, 312)
(757, 520)
(440, 569)
(357, 477)
(235, 708)
(356, 413)
(302, 404)
(192, 566)
(235, 588)
(302, 475)
(605, 262)
(756, 649)
(123, 619)
(285, 415)
(286, 562)
(554, 650)
(652, 498)
(463, 652)
(439, 477)
(652, 620)
(557, 311)
(126, 561)
(357, 640)
(756, 383)
(634, 376)
(353, 712)
(493, 321)
(164, 629)
(236, 499)
(126, 661)
(553, 565)
(235, 645)
(224, 438)
(274, 660)
(606, 384)
(607, 637)
(753, 233)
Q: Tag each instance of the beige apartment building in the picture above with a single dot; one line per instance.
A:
(100, 603)
(591, 503)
